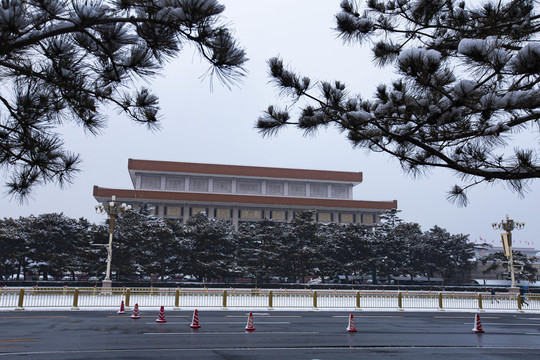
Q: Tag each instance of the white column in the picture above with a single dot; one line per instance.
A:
(185, 216)
(187, 183)
(235, 214)
(290, 214)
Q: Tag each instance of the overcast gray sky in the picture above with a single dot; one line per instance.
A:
(218, 127)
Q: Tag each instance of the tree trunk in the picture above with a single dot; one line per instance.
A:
(19, 271)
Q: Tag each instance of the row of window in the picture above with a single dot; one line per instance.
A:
(243, 186)
(258, 214)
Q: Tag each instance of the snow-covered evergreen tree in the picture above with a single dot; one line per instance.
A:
(53, 243)
(79, 230)
(345, 249)
(159, 248)
(94, 258)
(431, 252)
(128, 238)
(11, 242)
(468, 87)
(391, 246)
(333, 250)
(65, 60)
(446, 254)
(260, 248)
(406, 238)
(209, 246)
(303, 246)
(523, 265)
(18, 234)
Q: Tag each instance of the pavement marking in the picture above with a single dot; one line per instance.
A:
(33, 317)
(370, 316)
(507, 324)
(266, 316)
(4, 341)
(168, 322)
(235, 333)
(532, 333)
(226, 322)
(252, 349)
(243, 322)
(464, 317)
(127, 316)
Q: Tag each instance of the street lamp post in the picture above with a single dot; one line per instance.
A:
(112, 208)
(508, 225)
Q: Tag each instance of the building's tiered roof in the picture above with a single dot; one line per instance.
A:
(241, 171)
(242, 199)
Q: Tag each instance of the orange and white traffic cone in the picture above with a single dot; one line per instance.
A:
(477, 325)
(351, 327)
(161, 318)
(122, 308)
(136, 312)
(249, 326)
(195, 321)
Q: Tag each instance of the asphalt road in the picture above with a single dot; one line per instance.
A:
(278, 335)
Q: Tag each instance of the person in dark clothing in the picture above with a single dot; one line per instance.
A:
(522, 296)
(493, 294)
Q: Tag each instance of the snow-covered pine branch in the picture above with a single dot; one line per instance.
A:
(65, 60)
(468, 87)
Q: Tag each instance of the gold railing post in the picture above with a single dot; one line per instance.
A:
(128, 295)
(519, 301)
(75, 300)
(358, 299)
(177, 299)
(480, 301)
(270, 300)
(315, 300)
(440, 301)
(224, 299)
(400, 300)
(21, 300)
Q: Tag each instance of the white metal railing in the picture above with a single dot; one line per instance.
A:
(9, 297)
(292, 298)
(75, 298)
(419, 300)
(378, 299)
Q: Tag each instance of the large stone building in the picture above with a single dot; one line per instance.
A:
(244, 193)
